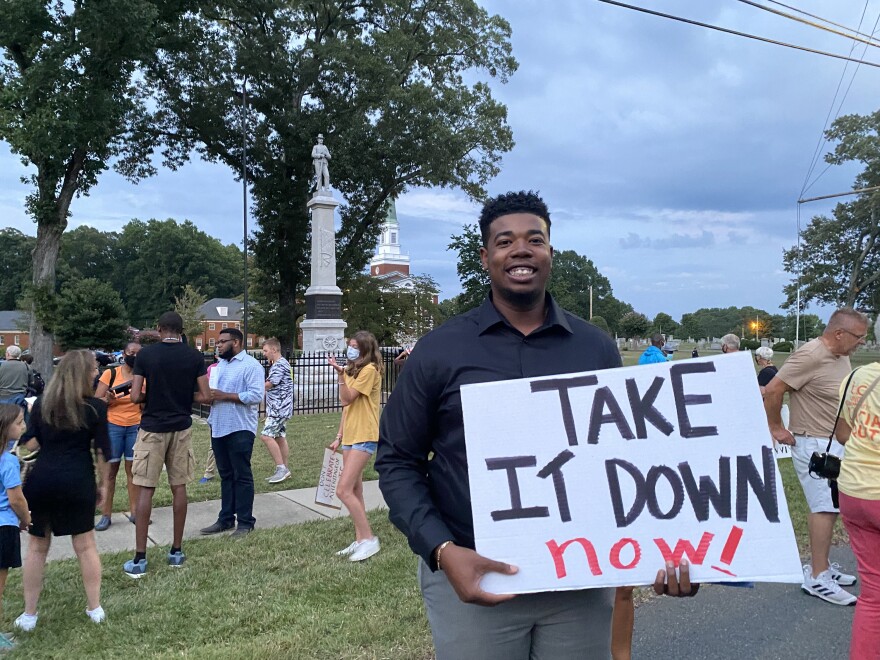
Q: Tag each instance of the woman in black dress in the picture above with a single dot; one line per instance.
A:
(66, 423)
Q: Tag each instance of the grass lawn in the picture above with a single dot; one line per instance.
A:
(279, 593)
(307, 436)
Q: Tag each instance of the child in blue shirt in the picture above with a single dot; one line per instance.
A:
(14, 514)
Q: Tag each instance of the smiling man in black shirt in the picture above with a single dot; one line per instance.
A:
(519, 331)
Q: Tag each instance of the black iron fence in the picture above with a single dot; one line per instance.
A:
(314, 381)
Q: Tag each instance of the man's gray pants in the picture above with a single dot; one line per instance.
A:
(552, 625)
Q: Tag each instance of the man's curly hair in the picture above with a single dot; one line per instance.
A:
(512, 202)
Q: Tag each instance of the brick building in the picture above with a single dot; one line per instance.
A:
(218, 314)
(11, 330)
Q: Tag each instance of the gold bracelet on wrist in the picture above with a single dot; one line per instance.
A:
(438, 552)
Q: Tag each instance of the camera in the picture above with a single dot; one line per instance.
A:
(122, 390)
(824, 465)
(827, 466)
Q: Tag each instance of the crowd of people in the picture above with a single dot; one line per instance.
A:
(141, 414)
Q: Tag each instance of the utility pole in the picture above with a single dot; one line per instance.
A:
(857, 191)
(244, 195)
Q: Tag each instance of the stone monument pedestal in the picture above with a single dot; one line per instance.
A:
(323, 328)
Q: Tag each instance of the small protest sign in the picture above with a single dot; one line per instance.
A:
(331, 469)
(783, 451)
(598, 479)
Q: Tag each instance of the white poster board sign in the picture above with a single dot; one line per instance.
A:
(783, 451)
(331, 469)
(597, 479)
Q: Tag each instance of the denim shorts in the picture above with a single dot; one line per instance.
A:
(369, 447)
(122, 440)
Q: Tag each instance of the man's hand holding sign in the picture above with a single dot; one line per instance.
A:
(594, 480)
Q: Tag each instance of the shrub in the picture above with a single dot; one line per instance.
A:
(783, 346)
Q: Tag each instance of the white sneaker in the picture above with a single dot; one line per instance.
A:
(843, 579)
(345, 552)
(97, 615)
(825, 587)
(281, 473)
(26, 622)
(365, 549)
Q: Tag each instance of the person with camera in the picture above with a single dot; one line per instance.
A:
(812, 377)
(123, 422)
(859, 491)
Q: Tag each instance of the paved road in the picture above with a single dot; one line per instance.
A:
(769, 622)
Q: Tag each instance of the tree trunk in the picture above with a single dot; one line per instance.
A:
(51, 217)
(45, 258)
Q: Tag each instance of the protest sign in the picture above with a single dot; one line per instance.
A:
(331, 469)
(598, 479)
(783, 451)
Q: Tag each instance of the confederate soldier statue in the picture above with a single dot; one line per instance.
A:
(320, 156)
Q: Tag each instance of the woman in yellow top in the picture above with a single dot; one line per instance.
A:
(123, 422)
(859, 483)
(360, 386)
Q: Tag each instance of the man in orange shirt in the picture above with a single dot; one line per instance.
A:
(123, 421)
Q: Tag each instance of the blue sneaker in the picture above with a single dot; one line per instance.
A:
(135, 569)
(176, 558)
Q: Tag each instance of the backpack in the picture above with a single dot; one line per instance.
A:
(36, 384)
(112, 378)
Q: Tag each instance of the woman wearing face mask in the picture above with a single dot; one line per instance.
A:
(123, 421)
(360, 383)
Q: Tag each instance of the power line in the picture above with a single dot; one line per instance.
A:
(737, 33)
(822, 140)
(814, 159)
(849, 35)
(825, 20)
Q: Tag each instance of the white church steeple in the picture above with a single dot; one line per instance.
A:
(388, 258)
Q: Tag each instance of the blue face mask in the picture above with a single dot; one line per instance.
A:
(352, 353)
(10, 445)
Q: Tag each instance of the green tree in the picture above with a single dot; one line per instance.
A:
(473, 277)
(634, 325)
(88, 313)
(599, 322)
(15, 266)
(397, 87)
(187, 304)
(394, 315)
(159, 258)
(447, 309)
(717, 321)
(664, 324)
(692, 327)
(838, 260)
(89, 252)
(71, 103)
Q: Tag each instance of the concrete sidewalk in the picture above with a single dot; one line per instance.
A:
(286, 507)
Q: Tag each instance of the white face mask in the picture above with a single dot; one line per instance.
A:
(352, 353)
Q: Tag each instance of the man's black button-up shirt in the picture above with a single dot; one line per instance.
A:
(421, 460)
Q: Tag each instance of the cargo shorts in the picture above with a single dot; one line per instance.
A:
(152, 451)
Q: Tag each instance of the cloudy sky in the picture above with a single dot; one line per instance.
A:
(669, 154)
